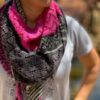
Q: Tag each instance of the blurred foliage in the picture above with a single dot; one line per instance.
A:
(76, 75)
(77, 69)
(76, 72)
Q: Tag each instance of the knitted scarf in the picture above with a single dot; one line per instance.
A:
(30, 37)
(37, 65)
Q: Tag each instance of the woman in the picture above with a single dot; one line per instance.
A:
(36, 50)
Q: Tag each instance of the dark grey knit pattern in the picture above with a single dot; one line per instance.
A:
(38, 65)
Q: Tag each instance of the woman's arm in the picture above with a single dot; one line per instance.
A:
(91, 64)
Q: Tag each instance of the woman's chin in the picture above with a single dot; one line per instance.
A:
(47, 3)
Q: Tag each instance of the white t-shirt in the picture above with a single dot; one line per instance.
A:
(78, 44)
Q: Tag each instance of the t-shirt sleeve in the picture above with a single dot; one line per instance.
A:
(81, 40)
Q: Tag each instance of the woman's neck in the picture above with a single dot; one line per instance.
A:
(31, 11)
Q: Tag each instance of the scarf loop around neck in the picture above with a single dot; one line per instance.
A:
(46, 24)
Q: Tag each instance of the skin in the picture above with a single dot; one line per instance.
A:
(91, 62)
(33, 8)
(38, 3)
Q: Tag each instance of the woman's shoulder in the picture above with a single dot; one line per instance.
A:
(72, 23)
(73, 27)
(79, 36)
